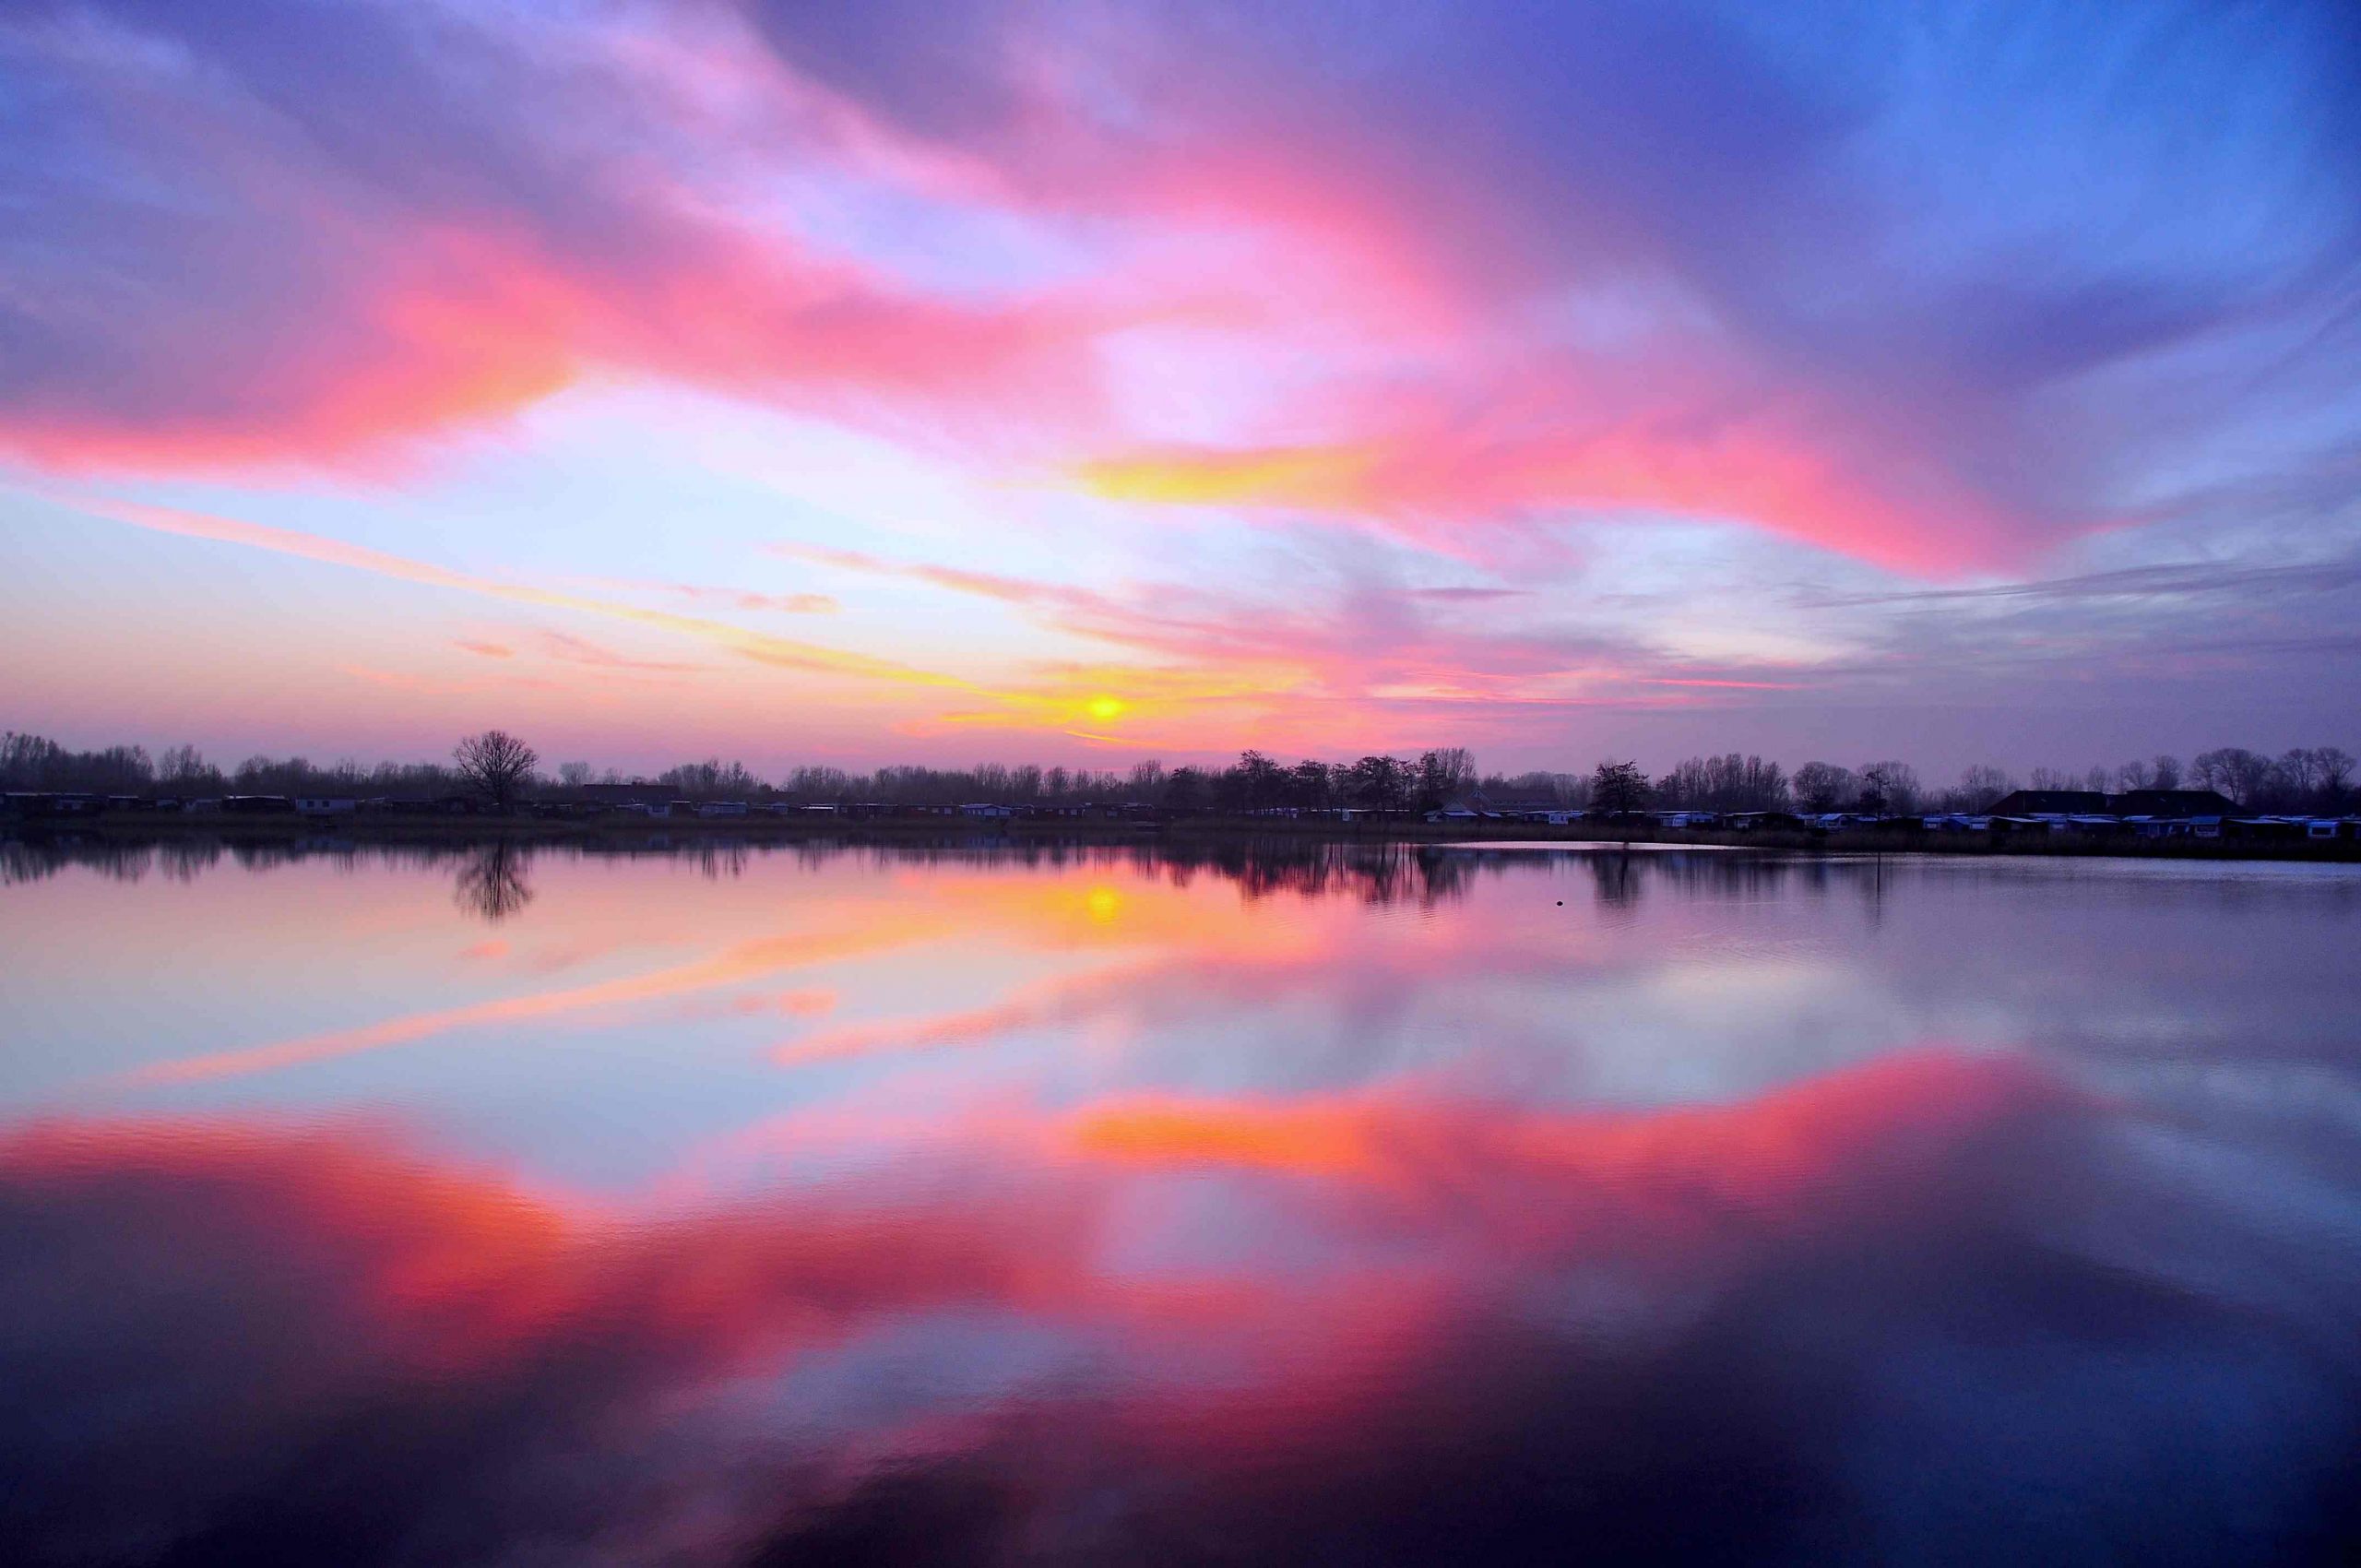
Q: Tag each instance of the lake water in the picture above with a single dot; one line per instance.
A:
(814, 1205)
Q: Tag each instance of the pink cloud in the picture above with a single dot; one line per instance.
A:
(1306, 248)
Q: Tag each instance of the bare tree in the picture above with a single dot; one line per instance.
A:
(1617, 786)
(2335, 766)
(2233, 770)
(1618, 789)
(496, 766)
(574, 775)
(1980, 786)
(1822, 786)
(1442, 774)
(184, 768)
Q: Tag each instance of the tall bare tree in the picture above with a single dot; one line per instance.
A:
(496, 766)
(1822, 786)
(1617, 786)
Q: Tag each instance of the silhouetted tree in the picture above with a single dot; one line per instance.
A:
(2315, 778)
(1617, 786)
(1823, 786)
(1724, 783)
(2233, 770)
(712, 779)
(1378, 783)
(185, 767)
(1889, 787)
(1979, 787)
(1443, 774)
(2336, 767)
(496, 766)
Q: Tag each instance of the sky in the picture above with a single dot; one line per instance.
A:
(937, 381)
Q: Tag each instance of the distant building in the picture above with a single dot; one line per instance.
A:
(420, 805)
(2173, 803)
(2170, 803)
(1481, 806)
(2049, 802)
(638, 794)
(326, 805)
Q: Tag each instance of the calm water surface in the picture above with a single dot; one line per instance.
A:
(1343, 1205)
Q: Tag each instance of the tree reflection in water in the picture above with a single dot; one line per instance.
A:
(492, 881)
(492, 884)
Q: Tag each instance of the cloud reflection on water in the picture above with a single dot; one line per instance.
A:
(1350, 1205)
(1377, 1330)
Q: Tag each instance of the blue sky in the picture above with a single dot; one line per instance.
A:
(1083, 383)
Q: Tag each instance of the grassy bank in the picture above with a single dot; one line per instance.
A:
(636, 831)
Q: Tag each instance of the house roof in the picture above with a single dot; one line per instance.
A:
(2029, 802)
(2132, 803)
(620, 793)
(1483, 801)
(2170, 802)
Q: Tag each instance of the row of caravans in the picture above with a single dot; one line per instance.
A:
(2095, 825)
(37, 804)
(72, 803)
(2086, 825)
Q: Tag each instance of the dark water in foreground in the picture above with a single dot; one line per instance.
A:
(1339, 1207)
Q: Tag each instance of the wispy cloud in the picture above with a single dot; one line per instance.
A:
(1456, 271)
(760, 647)
(2177, 580)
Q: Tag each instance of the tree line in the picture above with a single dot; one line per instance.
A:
(2303, 778)
(502, 768)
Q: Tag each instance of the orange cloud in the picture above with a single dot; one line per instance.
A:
(1426, 479)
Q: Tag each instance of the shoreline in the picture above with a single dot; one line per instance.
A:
(535, 831)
